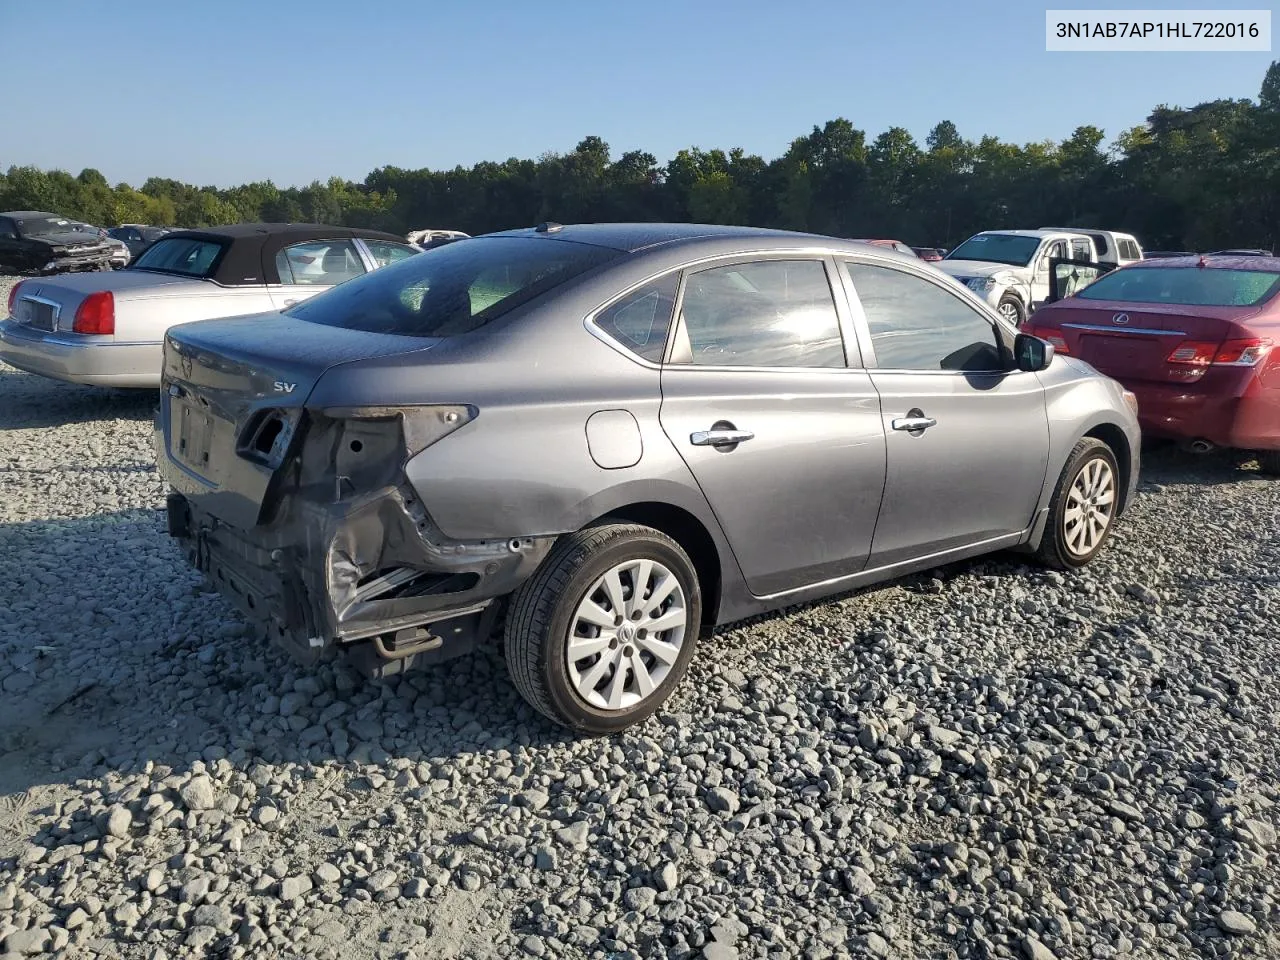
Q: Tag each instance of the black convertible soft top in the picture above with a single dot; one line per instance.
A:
(251, 248)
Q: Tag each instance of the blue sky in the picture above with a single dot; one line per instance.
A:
(227, 92)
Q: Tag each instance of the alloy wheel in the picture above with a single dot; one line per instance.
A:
(1090, 507)
(626, 634)
(1009, 311)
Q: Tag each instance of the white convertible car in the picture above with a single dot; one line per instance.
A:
(107, 329)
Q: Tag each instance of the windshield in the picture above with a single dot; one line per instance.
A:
(45, 227)
(997, 248)
(185, 256)
(452, 289)
(1186, 286)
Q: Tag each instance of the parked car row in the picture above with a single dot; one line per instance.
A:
(612, 438)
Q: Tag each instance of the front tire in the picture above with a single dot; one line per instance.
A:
(603, 632)
(1012, 310)
(1083, 508)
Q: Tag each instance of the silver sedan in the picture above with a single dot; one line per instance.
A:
(107, 329)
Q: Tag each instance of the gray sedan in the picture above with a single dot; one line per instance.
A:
(613, 438)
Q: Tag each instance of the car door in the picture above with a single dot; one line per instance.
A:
(313, 266)
(777, 423)
(1040, 271)
(967, 438)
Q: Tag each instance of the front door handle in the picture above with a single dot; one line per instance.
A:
(290, 303)
(719, 438)
(913, 422)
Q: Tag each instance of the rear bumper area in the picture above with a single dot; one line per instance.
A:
(1245, 420)
(77, 358)
(371, 574)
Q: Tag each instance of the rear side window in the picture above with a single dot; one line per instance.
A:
(1100, 241)
(640, 320)
(1187, 286)
(770, 313)
(1080, 249)
(1129, 250)
(916, 325)
(454, 289)
(186, 256)
(321, 262)
(385, 253)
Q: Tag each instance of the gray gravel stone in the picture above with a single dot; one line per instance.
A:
(1235, 923)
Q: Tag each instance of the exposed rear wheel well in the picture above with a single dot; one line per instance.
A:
(1114, 438)
(687, 530)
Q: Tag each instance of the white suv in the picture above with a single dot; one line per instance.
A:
(1116, 249)
(1010, 268)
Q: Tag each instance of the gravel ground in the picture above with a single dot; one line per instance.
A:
(992, 761)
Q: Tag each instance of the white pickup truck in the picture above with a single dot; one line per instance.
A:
(1010, 268)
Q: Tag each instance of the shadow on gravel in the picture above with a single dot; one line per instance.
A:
(32, 402)
(112, 653)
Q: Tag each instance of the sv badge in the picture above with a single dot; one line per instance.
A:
(281, 387)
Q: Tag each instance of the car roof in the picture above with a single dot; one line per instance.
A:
(28, 214)
(1041, 233)
(250, 256)
(1212, 262)
(632, 237)
(1087, 230)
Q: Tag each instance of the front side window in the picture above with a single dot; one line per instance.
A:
(185, 256)
(917, 325)
(771, 313)
(455, 289)
(640, 320)
(6, 229)
(385, 253)
(321, 262)
(1185, 286)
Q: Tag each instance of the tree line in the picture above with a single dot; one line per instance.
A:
(1188, 178)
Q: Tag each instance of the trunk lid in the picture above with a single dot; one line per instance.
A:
(1136, 341)
(233, 393)
(50, 303)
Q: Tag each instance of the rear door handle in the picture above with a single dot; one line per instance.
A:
(913, 423)
(719, 438)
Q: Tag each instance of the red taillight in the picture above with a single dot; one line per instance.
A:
(13, 297)
(96, 314)
(1196, 352)
(1231, 353)
(1242, 353)
(1050, 335)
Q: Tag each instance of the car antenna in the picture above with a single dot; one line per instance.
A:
(549, 226)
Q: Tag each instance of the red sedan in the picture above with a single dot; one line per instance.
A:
(1193, 337)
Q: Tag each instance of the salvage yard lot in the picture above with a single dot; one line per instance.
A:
(997, 760)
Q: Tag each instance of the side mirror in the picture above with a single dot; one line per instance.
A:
(1031, 353)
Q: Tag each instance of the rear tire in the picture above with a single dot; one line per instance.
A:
(1083, 508)
(579, 640)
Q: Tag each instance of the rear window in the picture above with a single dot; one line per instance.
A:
(186, 256)
(1189, 286)
(452, 289)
